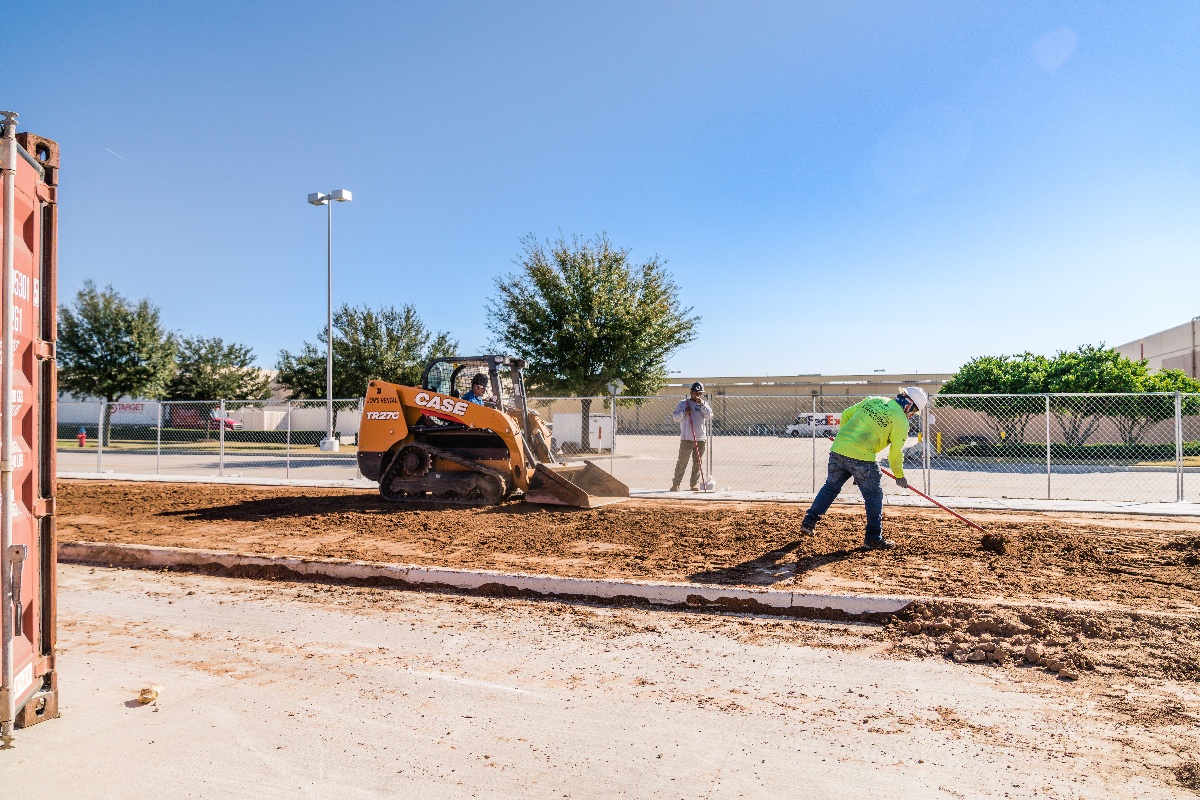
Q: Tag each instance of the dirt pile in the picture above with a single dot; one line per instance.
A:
(1065, 642)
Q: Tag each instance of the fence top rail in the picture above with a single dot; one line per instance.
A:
(1063, 394)
(710, 396)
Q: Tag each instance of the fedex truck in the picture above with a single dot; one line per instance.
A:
(813, 425)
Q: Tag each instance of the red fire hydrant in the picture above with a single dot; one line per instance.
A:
(82, 437)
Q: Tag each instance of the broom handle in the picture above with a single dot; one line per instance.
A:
(935, 502)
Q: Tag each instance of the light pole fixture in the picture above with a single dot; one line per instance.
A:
(330, 443)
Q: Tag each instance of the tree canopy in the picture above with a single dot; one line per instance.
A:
(1077, 380)
(386, 344)
(207, 368)
(111, 347)
(1010, 375)
(582, 313)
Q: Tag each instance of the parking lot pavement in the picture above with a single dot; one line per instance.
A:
(305, 690)
(739, 463)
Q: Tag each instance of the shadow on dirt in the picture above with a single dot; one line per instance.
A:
(770, 568)
(371, 504)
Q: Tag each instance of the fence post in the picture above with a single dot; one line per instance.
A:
(925, 449)
(812, 429)
(100, 439)
(287, 470)
(1047, 447)
(1178, 447)
(221, 456)
(712, 433)
(158, 443)
(612, 431)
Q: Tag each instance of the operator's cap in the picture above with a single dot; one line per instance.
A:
(919, 397)
(697, 387)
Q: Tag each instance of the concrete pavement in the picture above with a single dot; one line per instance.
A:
(302, 690)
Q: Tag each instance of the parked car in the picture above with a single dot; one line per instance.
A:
(973, 438)
(808, 425)
(200, 419)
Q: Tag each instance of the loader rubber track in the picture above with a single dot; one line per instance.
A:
(491, 486)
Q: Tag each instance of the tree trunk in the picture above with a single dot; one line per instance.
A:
(585, 432)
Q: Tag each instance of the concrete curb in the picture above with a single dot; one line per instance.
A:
(773, 601)
(851, 498)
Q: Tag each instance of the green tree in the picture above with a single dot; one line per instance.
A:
(582, 313)
(209, 369)
(1090, 370)
(387, 344)
(1024, 374)
(110, 347)
(1138, 414)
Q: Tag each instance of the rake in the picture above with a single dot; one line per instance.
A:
(936, 503)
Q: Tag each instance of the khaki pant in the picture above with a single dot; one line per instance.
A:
(686, 451)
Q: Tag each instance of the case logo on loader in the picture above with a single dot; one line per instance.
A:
(448, 405)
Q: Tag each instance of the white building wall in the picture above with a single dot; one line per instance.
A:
(1174, 348)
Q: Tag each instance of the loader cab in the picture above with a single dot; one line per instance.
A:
(452, 375)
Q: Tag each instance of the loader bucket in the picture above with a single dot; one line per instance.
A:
(583, 485)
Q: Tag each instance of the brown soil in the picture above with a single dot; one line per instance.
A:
(1139, 576)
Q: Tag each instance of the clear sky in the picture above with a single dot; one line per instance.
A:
(837, 187)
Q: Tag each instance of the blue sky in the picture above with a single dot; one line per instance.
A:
(836, 187)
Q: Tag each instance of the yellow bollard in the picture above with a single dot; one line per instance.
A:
(939, 441)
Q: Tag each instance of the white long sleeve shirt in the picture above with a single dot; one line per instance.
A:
(692, 416)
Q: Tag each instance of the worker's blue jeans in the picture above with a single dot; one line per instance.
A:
(867, 475)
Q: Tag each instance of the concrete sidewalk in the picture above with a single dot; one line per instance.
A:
(848, 497)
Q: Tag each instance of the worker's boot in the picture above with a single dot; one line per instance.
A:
(878, 543)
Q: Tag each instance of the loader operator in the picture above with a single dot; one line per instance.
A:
(478, 390)
(868, 427)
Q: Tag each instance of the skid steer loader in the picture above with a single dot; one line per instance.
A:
(427, 444)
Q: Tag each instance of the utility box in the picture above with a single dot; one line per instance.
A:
(568, 430)
(29, 679)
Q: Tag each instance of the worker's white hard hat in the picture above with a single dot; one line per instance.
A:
(920, 398)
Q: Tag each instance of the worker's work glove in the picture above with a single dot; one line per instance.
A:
(902, 483)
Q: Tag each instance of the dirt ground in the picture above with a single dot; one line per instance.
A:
(1118, 593)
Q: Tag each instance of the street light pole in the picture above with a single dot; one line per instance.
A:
(329, 443)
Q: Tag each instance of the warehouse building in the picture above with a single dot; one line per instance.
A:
(1174, 348)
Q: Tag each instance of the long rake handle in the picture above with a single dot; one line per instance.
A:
(696, 448)
(936, 503)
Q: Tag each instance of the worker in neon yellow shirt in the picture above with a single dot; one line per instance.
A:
(867, 428)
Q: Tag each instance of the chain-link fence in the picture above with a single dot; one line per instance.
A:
(1115, 447)
(1122, 447)
(226, 438)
